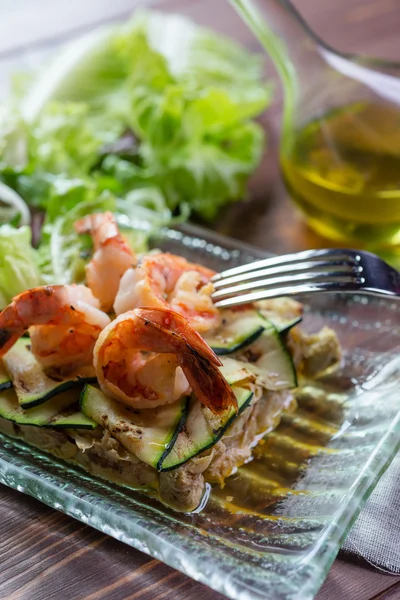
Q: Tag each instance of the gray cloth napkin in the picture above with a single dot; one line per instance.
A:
(375, 535)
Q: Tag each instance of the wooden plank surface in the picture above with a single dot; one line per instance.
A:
(45, 554)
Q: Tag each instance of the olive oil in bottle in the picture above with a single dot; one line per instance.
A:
(343, 170)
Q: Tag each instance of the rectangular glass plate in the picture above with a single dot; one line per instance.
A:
(276, 527)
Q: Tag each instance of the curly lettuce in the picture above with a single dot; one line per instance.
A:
(184, 97)
(63, 253)
(19, 270)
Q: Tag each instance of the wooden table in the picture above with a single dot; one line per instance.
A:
(44, 554)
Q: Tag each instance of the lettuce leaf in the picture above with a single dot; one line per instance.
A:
(62, 144)
(63, 254)
(209, 174)
(18, 270)
(13, 140)
(187, 96)
(65, 140)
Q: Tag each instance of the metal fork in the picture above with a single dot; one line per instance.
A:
(332, 270)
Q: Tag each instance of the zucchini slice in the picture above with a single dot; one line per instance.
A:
(284, 326)
(240, 328)
(235, 371)
(149, 434)
(266, 362)
(54, 413)
(202, 430)
(72, 420)
(270, 362)
(32, 385)
(5, 379)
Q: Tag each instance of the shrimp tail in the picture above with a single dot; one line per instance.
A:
(197, 360)
(208, 383)
(104, 230)
(89, 223)
(170, 322)
(10, 329)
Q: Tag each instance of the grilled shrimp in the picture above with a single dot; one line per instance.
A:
(112, 256)
(167, 281)
(63, 321)
(152, 356)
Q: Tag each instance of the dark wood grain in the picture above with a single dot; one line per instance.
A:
(45, 554)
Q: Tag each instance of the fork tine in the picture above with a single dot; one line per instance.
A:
(287, 259)
(274, 282)
(302, 267)
(333, 270)
(291, 290)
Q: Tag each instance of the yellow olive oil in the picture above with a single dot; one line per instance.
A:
(343, 170)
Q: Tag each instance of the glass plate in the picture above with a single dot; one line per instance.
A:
(276, 527)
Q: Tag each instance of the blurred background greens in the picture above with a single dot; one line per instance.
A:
(153, 118)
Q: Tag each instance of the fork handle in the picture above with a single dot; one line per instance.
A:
(384, 279)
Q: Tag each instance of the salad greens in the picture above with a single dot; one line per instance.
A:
(152, 119)
(63, 253)
(19, 269)
(184, 95)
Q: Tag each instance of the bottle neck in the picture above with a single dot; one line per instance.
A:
(288, 42)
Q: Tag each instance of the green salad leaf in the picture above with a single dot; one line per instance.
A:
(13, 140)
(63, 253)
(18, 266)
(65, 140)
(185, 97)
(13, 209)
(152, 119)
(210, 173)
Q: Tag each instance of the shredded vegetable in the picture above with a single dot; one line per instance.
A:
(19, 270)
(152, 119)
(181, 99)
